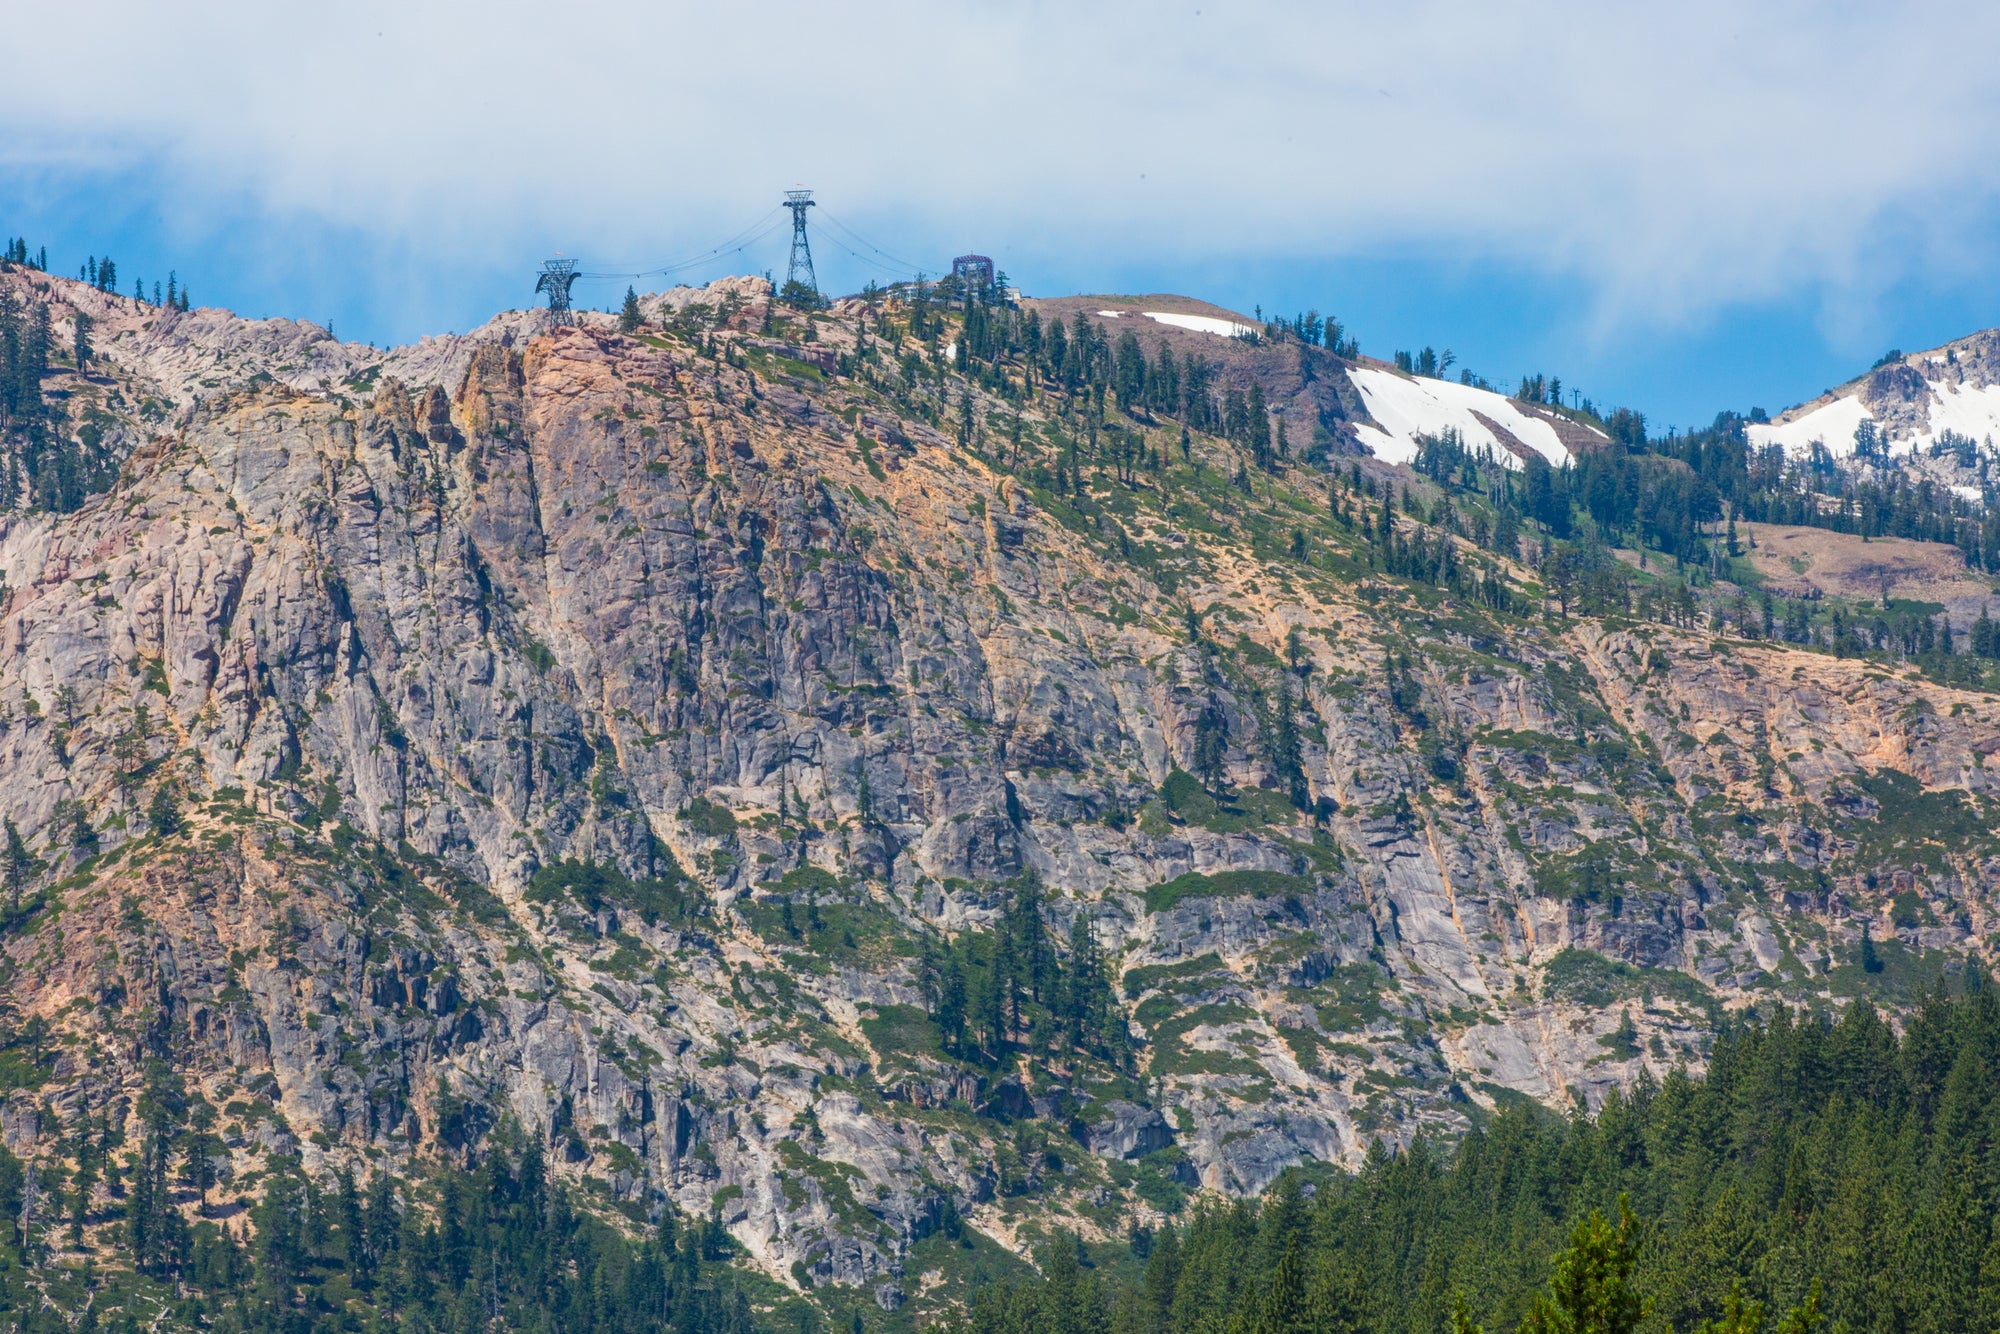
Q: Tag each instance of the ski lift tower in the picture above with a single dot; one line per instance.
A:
(799, 273)
(558, 276)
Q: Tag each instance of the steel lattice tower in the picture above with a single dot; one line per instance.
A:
(975, 274)
(557, 277)
(800, 270)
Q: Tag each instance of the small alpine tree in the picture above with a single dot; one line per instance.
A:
(1590, 1289)
(21, 866)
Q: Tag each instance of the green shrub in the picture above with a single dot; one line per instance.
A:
(1186, 797)
(27, 1055)
(899, 1032)
(822, 930)
(1357, 998)
(1230, 811)
(539, 656)
(1147, 976)
(1157, 1179)
(804, 879)
(703, 816)
(1173, 1056)
(1906, 910)
(1918, 828)
(1224, 885)
(163, 816)
(1587, 978)
(596, 885)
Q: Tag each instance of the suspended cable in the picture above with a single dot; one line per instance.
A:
(837, 232)
(756, 231)
(842, 236)
(683, 267)
(879, 266)
(865, 243)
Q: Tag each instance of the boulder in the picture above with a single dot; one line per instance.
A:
(1125, 1130)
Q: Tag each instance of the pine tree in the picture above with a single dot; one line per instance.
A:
(1086, 985)
(1257, 428)
(1211, 741)
(950, 1012)
(1589, 1291)
(1284, 1308)
(1285, 748)
(1131, 372)
(1625, 1039)
(20, 869)
(1163, 381)
(629, 318)
(163, 815)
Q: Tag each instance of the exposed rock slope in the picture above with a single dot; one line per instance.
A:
(789, 685)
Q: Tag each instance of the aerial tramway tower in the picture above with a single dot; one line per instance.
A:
(799, 277)
(558, 276)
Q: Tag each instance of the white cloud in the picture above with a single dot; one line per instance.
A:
(1672, 157)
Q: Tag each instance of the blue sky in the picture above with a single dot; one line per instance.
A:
(1724, 205)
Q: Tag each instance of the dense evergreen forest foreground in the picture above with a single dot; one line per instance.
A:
(1828, 1170)
(1823, 1169)
(500, 1245)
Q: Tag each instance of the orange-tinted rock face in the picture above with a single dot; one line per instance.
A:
(597, 735)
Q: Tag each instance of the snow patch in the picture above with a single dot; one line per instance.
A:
(1972, 411)
(1388, 448)
(1406, 408)
(1207, 324)
(1832, 426)
(1971, 495)
(1111, 314)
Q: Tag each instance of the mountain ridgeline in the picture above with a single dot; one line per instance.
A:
(928, 807)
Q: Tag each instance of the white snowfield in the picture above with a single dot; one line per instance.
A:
(1405, 408)
(1207, 324)
(1972, 411)
(1832, 426)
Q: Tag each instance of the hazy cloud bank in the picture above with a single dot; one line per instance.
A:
(1673, 158)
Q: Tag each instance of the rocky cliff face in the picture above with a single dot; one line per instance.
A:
(590, 736)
